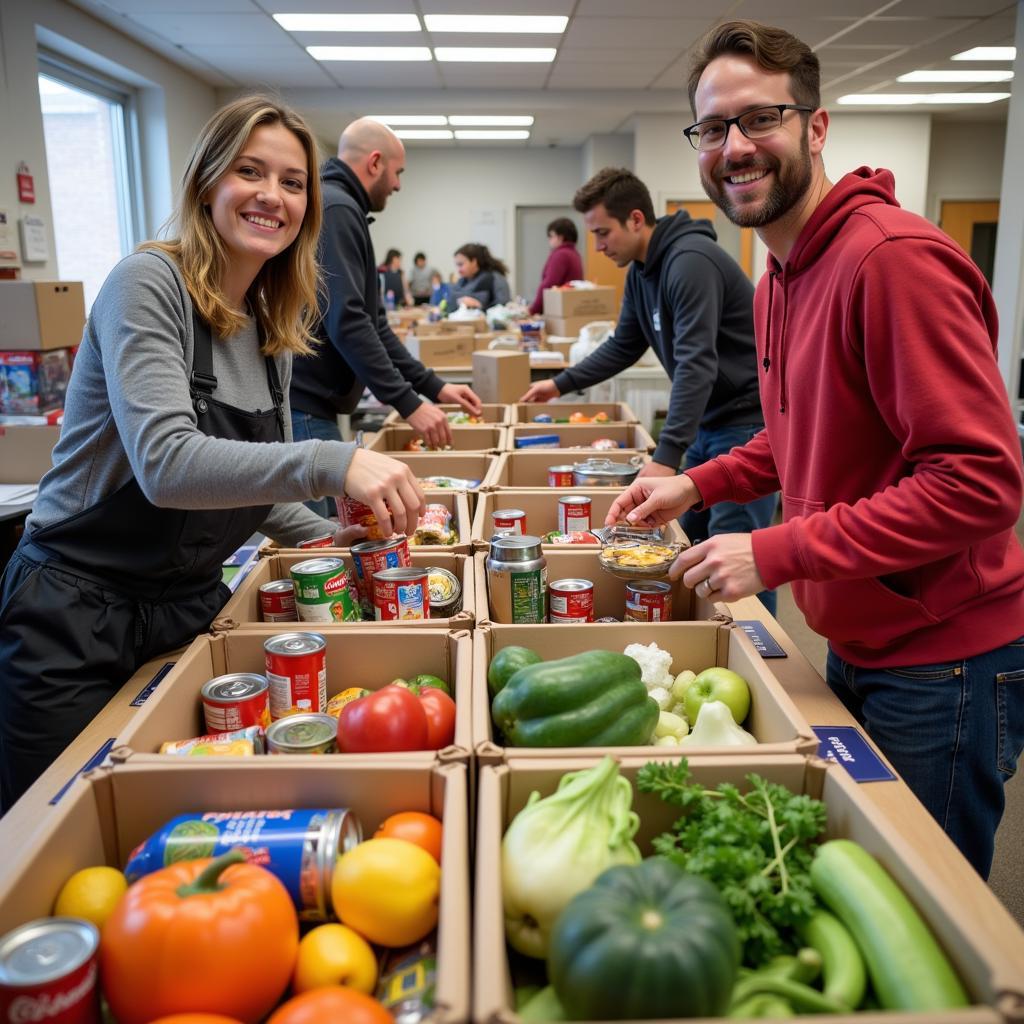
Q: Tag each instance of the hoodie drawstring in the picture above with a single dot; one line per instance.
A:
(767, 362)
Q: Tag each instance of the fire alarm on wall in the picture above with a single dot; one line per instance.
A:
(26, 186)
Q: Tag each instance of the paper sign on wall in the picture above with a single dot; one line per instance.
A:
(35, 248)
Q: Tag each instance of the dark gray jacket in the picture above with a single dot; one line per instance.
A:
(488, 287)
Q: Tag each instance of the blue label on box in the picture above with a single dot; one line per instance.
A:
(847, 745)
(764, 643)
(144, 694)
(94, 762)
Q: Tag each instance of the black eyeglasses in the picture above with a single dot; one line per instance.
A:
(755, 124)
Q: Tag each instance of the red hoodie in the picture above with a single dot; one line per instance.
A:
(562, 266)
(889, 433)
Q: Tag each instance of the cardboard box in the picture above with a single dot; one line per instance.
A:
(41, 314)
(470, 466)
(500, 376)
(992, 977)
(26, 453)
(441, 350)
(243, 608)
(525, 413)
(485, 438)
(34, 382)
(530, 468)
(570, 326)
(774, 719)
(563, 346)
(365, 657)
(120, 807)
(492, 413)
(597, 303)
(630, 436)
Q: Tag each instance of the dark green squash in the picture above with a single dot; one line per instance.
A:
(506, 663)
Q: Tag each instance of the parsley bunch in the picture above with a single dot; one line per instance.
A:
(755, 847)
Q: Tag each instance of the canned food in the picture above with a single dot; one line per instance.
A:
(48, 972)
(240, 742)
(277, 601)
(321, 540)
(445, 593)
(571, 601)
(303, 734)
(560, 476)
(372, 556)
(299, 847)
(402, 594)
(297, 673)
(648, 601)
(236, 701)
(509, 520)
(573, 513)
(354, 513)
(323, 591)
(517, 580)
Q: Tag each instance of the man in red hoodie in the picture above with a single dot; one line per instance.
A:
(887, 429)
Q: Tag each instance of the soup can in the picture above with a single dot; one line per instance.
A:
(401, 594)
(517, 580)
(445, 593)
(573, 513)
(321, 540)
(560, 476)
(372, 556)
(509, 520)
(48, 972)
(297, 673)
(571, 601)
(648, 601)
(303, 734)
(236, 701)
(354, 513)
(299, 847)
(277, 601)
(324, 591)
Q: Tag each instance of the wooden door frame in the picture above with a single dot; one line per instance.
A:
(746, 260)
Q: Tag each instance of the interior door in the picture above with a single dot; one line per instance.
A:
(737, 242)
(972, 225)
(532, 247)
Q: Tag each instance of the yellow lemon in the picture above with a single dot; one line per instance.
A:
(91, 893)
(335, 955)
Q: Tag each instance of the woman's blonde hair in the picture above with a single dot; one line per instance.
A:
(283, 297)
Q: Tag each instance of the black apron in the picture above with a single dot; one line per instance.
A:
(87, 600)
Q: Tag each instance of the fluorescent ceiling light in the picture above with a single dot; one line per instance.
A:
(892, 99)
(509, 23)
(369, 52)
(497, 120)
(409, 119)
(487, 54)
(423, 133)
(348, 22)
(988, 53)
(956, 76)
(469, 135)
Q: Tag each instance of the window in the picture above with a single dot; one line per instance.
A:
(88, 124)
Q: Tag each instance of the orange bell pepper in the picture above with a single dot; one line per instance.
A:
(219, 936)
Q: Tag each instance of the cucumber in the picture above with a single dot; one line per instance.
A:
(842, 966)
(908, 969)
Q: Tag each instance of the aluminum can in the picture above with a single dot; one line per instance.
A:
(372, 556)
(303, 734)
(648, 601)
(236, 701)
(277, 601)
(561, 476)
(48, 972)
(297, 673)
(445, 592)
(324, 591)
(401, 594)
(354, 513)
(573, 513)
(509, 520)
(571, 601)
(321, 540)
(517, 580)
(299, 847)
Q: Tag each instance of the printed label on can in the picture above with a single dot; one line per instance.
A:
(573, 514)
(571, 605)
(325, 598)
(393, 555)
(529, 595)
(277, 601)
(509, 521)
(229, 716)
(321, 540)
(560, 476)
(354, 513)
(648, 604)
(403, 600)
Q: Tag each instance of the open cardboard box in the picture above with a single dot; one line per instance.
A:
(599, 301)
(484, 438)
(774, 719)
(441, 350)
(26, 453)
(462, 466)
(492, 412)
(630, 436)
(103, 820)
(527, 468)
(617, 412)
(358, 657)
(991, 978)
(541, 508)
(243, 608)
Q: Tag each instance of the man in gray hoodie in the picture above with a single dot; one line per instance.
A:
(689, 301)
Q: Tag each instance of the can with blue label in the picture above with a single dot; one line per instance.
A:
(298, 847)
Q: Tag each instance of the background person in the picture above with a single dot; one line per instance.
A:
(483, 278)
(421, 280)
(563, 263)
(392, 280)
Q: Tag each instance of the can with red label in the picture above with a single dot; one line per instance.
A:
(560, 476)
(235, 701)
(321, 540)
(648, 601)
(573, 513)
(297, 673)
(48, 972)
(372, 556)
(402, 594)
(277, 601)
(571, 601)
(354, 513)
(509, 520)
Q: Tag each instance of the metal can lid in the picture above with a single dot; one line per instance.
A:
(560, 469)
(574, 499)
(648, 587)
(511, 547)
(277, 587)
(400, 573)
(233, 687)
(294, 645)
(317, 566)
(340, 832)
(444, 586)
(572, 585)
(364, 547)
(45, 950)
(317, 538)
(508, 513)
(301, 732)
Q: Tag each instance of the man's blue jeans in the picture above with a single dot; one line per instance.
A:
(953, 732)
(727, 516)
(314, 428)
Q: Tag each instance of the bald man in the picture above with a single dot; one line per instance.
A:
(357, 348)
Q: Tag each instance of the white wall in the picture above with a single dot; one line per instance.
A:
(606, 151)
(966, 162)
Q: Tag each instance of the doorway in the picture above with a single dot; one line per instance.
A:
(972, 225)
(532, 243)
(737, 242)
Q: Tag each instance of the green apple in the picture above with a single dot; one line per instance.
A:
(722, 684)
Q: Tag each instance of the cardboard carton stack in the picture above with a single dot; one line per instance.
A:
(568, 310)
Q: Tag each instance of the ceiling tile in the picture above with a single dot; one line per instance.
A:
(771, 10)
(947, 8)
(496, 6)
(268, 66)
(902, 31)
(136, 7)
(643, 32)
(570, 75)
(383, 75)
(595, 55)
(305, 39)
(226, 29)
(494, 76)
(329, 6)
(653, 9)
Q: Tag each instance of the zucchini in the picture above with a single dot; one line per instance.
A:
(842, 966)
(907, 967)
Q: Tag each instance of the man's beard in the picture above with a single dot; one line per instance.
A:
(378, 195)
(790, 184)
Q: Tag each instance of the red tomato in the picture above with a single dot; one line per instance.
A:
(414, 827)
(332, 1003)
(440, 709)
(390, 719)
